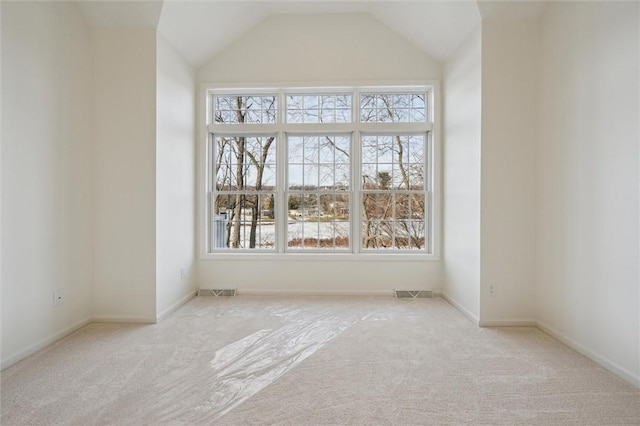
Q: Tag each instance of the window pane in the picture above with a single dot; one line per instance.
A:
(318, 222)
(342, 148)
(393, 220)
(342, 177)
(310, 176)
(392, 108)
(318, 108)
(377, 235)
(327, 150)
(258, 109)
(416, 176)
(311, 163)
(377, 206)
(310, 149)
(296, 149)
(269, 177)
(409, 235)
(226, 178)
(327, 177)
(250, 176)
(243, 221)
(400, 176)
(393, 162)
(385, 149)
(416, 149)
(369, 176)
(369, 149)
(402, 206)
(226, 164)
(244, 163)
(295, 175)
(418, 206)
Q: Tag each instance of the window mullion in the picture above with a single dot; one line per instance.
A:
(355, 216)
(281, 185)
(281, 169)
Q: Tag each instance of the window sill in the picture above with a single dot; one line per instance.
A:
(321, 257)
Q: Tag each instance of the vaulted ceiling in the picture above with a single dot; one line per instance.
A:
(200, 29)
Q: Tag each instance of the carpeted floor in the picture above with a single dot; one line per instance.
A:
(310, 361)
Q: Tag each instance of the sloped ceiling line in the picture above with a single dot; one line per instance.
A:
(203, 28)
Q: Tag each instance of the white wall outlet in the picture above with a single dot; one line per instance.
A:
(58, 298)
(492, 290)
(182, 273)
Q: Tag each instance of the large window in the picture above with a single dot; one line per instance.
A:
(320, 171)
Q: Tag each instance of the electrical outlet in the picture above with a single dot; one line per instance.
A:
(58, 298)
(492, 290)
(181, 273)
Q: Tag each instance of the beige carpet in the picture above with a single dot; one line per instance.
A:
(308, 361)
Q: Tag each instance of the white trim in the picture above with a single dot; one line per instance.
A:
(282, 204)
(436, 189)
(384, 129)
(9, 361)
(619, 371)
(12, 359)
(294, 292)
(202, 164)
(464, 311)
(341, 86)
(122, 319)
(313, 256)
(177, 305)
(432, 127)
(355, 196)
(611, 366)
(508, 323)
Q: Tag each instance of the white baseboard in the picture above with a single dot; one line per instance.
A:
(43, 343)
(604, 362)
(120, 319)
(508, 323)
(171, 309)
(464, 311)
(98, 319)
(250, 292)
(619, 371)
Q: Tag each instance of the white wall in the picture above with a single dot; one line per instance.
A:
(175, 178)
(46, 174)
(588, 183)
(318, 276)
(1, 186)
(331, 49)
(509, 135)
(319, 48)
(462, 145)
(124, 156)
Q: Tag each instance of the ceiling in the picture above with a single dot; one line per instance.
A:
(437, 27)
(144, 14)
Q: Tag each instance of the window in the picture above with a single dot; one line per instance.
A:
(318, 192)
(393, 192)
(346, 170)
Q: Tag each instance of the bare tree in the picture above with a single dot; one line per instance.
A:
(234, 174)
(393, 220)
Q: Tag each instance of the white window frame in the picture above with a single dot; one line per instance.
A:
(355, 128)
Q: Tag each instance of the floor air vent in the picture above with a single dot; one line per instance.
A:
(413, 294)
(217, 292)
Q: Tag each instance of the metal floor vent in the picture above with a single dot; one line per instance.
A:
(414, 294)
(217, 292)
